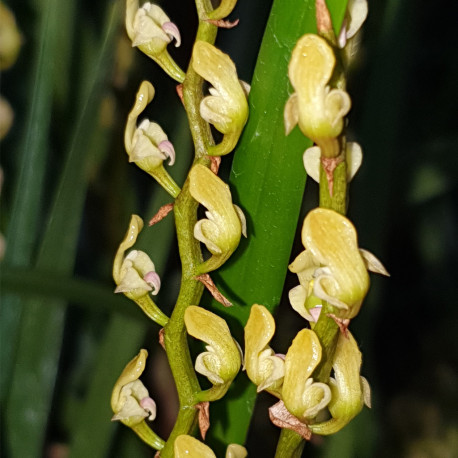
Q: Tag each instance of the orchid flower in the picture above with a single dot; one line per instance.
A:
(226, 107)
(225, 223)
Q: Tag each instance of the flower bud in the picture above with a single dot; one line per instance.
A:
(151, 30)
(317, 109)
(221, 362)
(264, 368)
(302, 397)
(227, 107)
(349, 390)
(226, 222)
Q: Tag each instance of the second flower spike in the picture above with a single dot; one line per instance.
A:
(226, 107)
(225, 222)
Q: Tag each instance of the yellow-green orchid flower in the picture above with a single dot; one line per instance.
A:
(188, 447)
(131, 403)
(135, 274)
(264, 368)
(221, 362)
(147, 145)
(10, 38)
(226, 107)
(301, 396)
(332, 267)
(225, 222)
(318, 109)
(151, 30)
(349, 390)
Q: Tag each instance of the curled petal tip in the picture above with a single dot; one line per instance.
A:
(149, 405)
(172, 30)
(153, 279)
(167, 148)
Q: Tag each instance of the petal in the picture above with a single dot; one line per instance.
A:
(357, 10)
(291, 113)
(131, 372)
(236, 451)
(302, 358)
(188, 447)
(332, 240)
(172, 30)
(372, 263)
(312, 162)
(207, 232)
(135, 226)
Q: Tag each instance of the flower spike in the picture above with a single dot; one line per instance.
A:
(147, 145)
(317, 109)
(221, 362)
(151, 30)
(264, 368)
(226, 107)
(302, 397)
(226, 223)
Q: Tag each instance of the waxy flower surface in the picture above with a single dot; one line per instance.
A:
(349, 390)
(264, 368)
(225, 223)
(226, 107)
(151, 30)
(318, 109)
(221, 362)
(134, 274)
(147, 145)
(188, 447)
(332, 267)
(301, 396)
(130, 400)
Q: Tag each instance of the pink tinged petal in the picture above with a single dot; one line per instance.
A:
(149, 405)
(315, 312)
(172, 30)
(342, 38)
(167, 148)
(153, 279)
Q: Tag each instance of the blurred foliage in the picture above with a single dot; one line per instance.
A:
(68, 192)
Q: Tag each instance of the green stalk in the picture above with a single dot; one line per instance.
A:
(268, 181)
(185, 209)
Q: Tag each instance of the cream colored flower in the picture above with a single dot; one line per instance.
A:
(226, 107)
(221, 362)
(10, 38)
(134, 274)
(130, 400)
(301, 396)
(332, 267)
(151, 30)
(225, 222)
(188, 447)
(147, 145)
(318, 109)
(264, 368)
(349, 390)
(356, 15)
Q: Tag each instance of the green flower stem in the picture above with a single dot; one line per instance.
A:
(146, 434)
(214, 393)
(185, 209)
(338, 200)
(151, 310)
(166, 181)
(290, 444)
